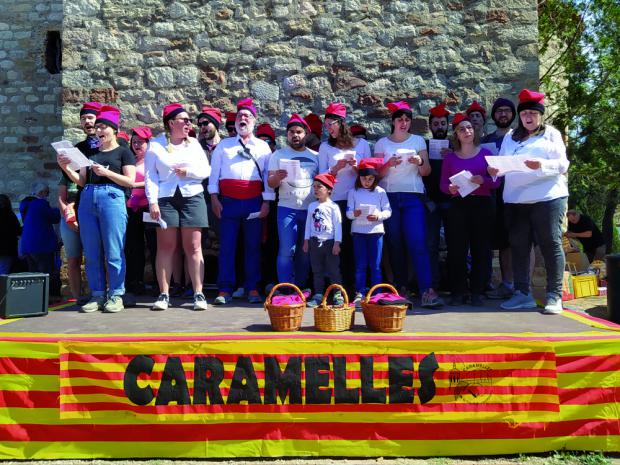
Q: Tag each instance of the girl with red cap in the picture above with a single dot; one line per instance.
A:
(322, 238)
(137, 205)
(103, 214)
(469, 217)
(405, 162)
(368, 207)
(535, 200)
(339, 156)
(175, 167)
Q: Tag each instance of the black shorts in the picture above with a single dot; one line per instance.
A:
(184, 212)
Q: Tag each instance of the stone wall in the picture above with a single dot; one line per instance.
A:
(29, 95)
(295, 55)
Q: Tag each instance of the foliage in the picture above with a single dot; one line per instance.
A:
(579, 43)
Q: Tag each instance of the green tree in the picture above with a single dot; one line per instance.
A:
(579, 41)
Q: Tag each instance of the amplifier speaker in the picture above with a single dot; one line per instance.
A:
(23, 294)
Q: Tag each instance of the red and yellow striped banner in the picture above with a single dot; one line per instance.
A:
(251, 395)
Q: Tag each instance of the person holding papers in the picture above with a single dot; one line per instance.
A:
(367, 206)
(103, 215)
(175, 168)
(292, 170)
(137, 205)
(405, 162)
(535, 194)
(464, 177)
(240, 197)
(339, 156)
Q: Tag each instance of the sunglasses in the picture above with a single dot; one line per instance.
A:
(185, 120)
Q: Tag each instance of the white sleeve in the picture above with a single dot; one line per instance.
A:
(557, 163)
(386, 209)
(379, 149)
(199, 167)
(216, 166)
(151, 177)
(269, 194)
(337, 223)
(351, 204)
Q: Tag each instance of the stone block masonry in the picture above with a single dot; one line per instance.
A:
(290, 55)
(30, 110)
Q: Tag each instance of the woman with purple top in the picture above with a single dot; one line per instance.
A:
(469, 215)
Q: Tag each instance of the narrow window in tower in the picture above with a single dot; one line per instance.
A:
(53, 52)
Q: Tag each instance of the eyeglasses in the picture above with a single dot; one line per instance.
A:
(203, 123)
(138, 141)
(245, 115)
(503, 110)
(185, 120)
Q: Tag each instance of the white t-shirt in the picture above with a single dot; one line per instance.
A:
(406, 176)
(380, 207)
(329, 156)
(296, 193)
(546, 183)
(324, 221)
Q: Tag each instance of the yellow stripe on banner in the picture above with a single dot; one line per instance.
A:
(589, 322)
(29, 383)
(29, 349)
(590, 379)
(603, 347)
(283, 448)
(301, 346)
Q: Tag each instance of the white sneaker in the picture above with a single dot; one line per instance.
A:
(200, 303)
(239, 293)
(161, 303)
(518, 301)
(553, 306)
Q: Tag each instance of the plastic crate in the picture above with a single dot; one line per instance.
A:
(585, 285)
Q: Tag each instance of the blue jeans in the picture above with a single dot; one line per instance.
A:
(367, 248)
(234, 217)
(541, 221)
(407, 226)
(293, 263)
(103, 221)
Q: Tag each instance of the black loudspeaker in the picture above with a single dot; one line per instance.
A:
(23, 294)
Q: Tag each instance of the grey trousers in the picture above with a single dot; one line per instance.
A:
(323, 263)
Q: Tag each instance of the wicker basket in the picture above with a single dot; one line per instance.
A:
(383, 318)
(334, 317)
(285, 317)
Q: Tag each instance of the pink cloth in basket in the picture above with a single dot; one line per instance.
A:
(286, 300)
(384, 298)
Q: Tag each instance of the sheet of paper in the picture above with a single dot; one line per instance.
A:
(491, 147)
(292, 168)
(509, 164)
(252, 216)
(367, 209)
(146, 218)
(435, 146)
(463, 180)
(346, 155)
(78, 159)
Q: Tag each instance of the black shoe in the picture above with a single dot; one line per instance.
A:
(456, 300)
(476, 301)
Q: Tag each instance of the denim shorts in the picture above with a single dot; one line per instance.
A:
(184, 212)
(70, 240)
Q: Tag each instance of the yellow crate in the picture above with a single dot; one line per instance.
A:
(585, 285)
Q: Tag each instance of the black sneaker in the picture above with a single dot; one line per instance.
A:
(161, 303)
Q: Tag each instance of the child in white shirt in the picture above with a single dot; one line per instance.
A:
(323, 237)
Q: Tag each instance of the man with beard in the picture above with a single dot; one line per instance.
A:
(240, 197)
(503, 114)
(440, 202)
(68, 199)
(209, 121)
(294, 181)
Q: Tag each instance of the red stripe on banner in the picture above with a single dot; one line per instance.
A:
(588, 363)
(306, 431)
(445, 374)
(30, 366)
(590, 396)
(29, 399)
(258, 408)
(231, 358)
